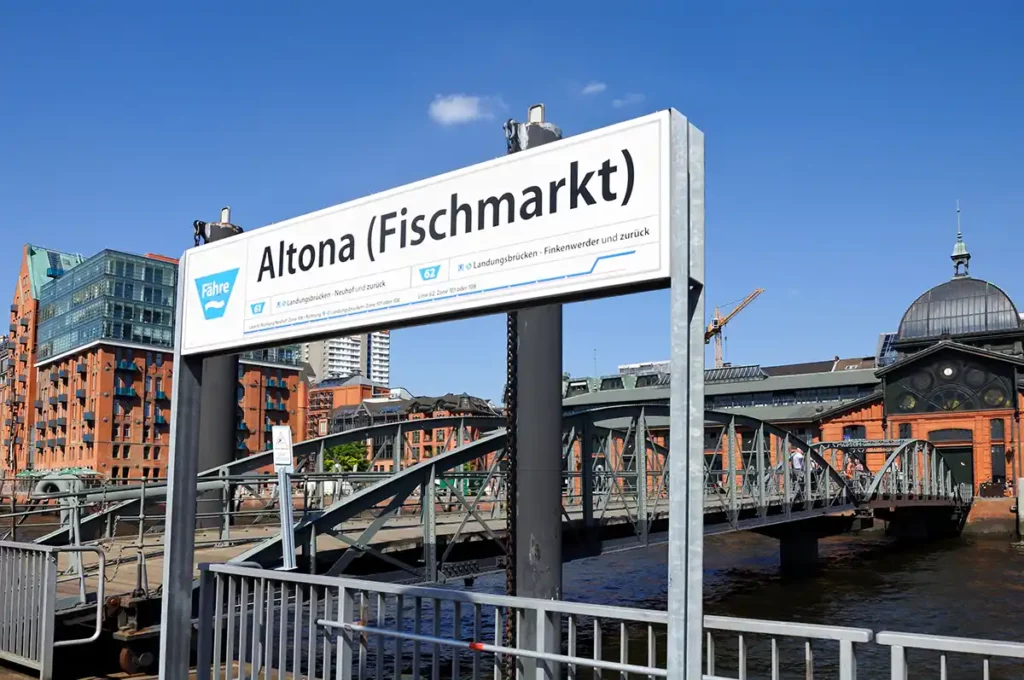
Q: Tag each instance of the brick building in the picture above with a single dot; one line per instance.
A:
(328, 396)
(92, 368)
(955, 379)
(418, 444)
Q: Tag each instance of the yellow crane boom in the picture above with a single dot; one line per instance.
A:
(714, 329)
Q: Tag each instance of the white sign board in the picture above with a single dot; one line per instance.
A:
(582, 217)
(281, 438)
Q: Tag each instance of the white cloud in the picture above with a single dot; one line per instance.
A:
(628, 100)
(455, 109)
(594, 87)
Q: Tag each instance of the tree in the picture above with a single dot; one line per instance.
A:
(346, 457)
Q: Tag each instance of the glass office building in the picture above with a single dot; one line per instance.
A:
(110, 296)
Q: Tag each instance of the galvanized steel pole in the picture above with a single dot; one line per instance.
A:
(686, 403)
(538, 440)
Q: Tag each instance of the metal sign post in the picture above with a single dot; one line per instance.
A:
(284, 457)
(612, 211)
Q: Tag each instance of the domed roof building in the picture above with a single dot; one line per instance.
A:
(973, 311)
(956, 381)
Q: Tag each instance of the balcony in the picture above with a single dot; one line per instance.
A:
(88, 438)
(54, 272)
(14, 309)
(52, 422)
(13, 327)
(80, 368)
(52, 400)
(63, 374)
(241, 446)
(52, 375)
(40, 426)
(62, 398)
(80, 393)
(160, 420)
(22, 378)
(39, 444)
(62, 422)
(23, 340)
(49, 443)
(126, 366)
(161, 395)
(268, 427)
(23, 322)
(18, 399)
(125, 391)
(39, 404)
(23, 356)
(88, 416)
(241, 427)
(276, 406)
(61, 441)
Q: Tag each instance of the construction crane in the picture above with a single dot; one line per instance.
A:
(718, 322)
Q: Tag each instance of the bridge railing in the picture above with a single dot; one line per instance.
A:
(28, 597)
(255, 621)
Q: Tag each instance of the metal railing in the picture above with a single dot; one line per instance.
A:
(28, 597)
(261, 623)
(988, 650)
(809, 634)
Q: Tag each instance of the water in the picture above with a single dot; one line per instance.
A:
(969, 587)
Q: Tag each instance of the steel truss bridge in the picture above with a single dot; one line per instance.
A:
(444, 517)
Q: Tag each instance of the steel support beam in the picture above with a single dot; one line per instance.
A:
(686, 402)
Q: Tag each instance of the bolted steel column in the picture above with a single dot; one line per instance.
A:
(538, 439)
(219, 399)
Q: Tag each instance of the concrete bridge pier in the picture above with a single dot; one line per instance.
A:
(798, 553)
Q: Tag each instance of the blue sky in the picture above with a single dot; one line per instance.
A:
(838, 141)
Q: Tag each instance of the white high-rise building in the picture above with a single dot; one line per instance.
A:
(368, 355)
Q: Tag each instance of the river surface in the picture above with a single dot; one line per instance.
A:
(969, 587)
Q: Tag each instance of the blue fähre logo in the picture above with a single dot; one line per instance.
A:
(257, 307)
(215, 291)
(430, 273)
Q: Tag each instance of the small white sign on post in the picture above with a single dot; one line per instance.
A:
(281, 437)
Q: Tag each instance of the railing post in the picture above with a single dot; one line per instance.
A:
(225, 507)
(898, 663)
(207, 595)
(427, 500)
(587, 477)
(47, 610)
(731, 453)
(346, 646)
(847, 661)
(762, 473)
(640, 461)
(547, 642)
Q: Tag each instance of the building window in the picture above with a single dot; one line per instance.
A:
(115, 452)
(114, 472)
(145, 431)
(998, 429)
(127, 431)
(149, 384)
(145, 409)
(156, 453)
(998, 463)
(416, 437)
(145, 473)
(906, 431)
(438, 435)
(127, 451)
(854, 432)
(145, 453)
(159, 360)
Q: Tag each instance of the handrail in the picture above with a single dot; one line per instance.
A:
(101, 577)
